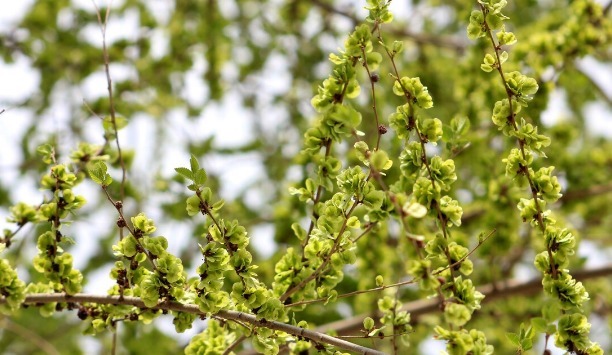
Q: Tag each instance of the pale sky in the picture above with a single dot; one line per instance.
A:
(19, 82)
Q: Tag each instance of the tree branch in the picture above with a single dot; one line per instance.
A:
(315, 336)
(492, 292)
(29, 336)
(586, 192)
(595, 85)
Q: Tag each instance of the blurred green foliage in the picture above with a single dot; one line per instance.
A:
(267, 58)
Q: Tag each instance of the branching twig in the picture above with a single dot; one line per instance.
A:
(354, 293)
(402, 283)
(80, 298)
(327, 259)
(492, 292)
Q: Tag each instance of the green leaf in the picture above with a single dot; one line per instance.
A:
(514, 339)
(195, 166)
(414, 209)
(368, 323)
(98, 174)
(186, 173)
(120, 123)
(353, 222)
(539, 324)
(200, 177)
(397, 47)
(379, 280)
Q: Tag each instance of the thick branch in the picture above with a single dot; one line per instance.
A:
(492, 292)
(318, 337)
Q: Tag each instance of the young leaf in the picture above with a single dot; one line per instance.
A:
(195, 166)
(184, 172)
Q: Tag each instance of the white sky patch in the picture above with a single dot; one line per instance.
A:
(14, 122)
(95, 85)
(262, 240)
(161, 9)
(160, 42)
(124, 27)
(599, 72)
(599, 119)
(595, 255)
(18, 82)
(236, 171)
(12, 12)
(99, 281)
(88, 5)
(228, 122)
(557, 108)
(194, 90)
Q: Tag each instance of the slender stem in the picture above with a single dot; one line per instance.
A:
(111, 98)
(359, 292)
(205, 210)
(318, 271)
(234, 345)
(373, 90)
(397, 284)
(521, 142)
(114, 343)
(317, 198)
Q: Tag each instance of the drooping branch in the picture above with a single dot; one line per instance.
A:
(492, 292)
(315, 336)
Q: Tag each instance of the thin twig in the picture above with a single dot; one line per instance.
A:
(354, 293)
(110, 94)
(373, 90)
(319, 270)
(234, 345)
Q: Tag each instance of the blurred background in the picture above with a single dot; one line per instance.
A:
(231, 82)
